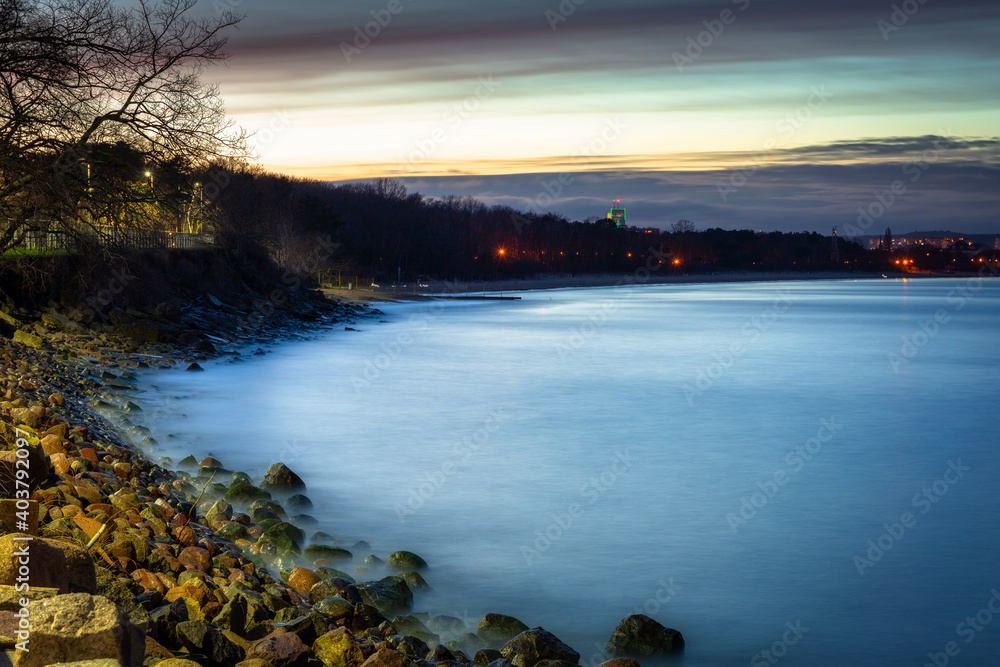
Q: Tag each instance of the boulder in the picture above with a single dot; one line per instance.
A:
(339, 648)
(412, 646)
(389, 595)
(195, 558)
(402, 561)
(415, 581)
(210, 641)
(639, 635)
(386, 657)
(366, 616)
(334, 587)
(335, 609)
(486, 656)
(80, 571)
(280, 650)
(315, 552)
(284, 536)
(28, 339)
(619, 662)
(302, 579)
(532, 646)
(47, 563)
(219, 511)
(243, 492)
(495, 630)
(38, 463)
(80, 627)
(280, 477)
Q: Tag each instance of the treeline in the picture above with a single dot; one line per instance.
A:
(381, 229)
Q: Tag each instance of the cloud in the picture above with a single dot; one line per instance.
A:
(800, 197)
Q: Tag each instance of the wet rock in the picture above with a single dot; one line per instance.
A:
(280, 477)
(315, 552)
(38, 463)
(340, 648)
(233, 531)
(302, 580)
(48, 563)
(389, 595)
(415, 581)
(195, 558)
(402, 561)
(210, 641)
(195, 366)
(243, 492)
(164, 621)
(233, 616)
(284, 536)
(486, 656)
(532, 646)
(330, 573)
(440, 654)
(411, 646)
(640, 635)
(495, 630)
(28, 339)
(280, 650)
(81, 627)
(386, 657)
(619, 662)
(334, 587)
(366, 617)
(298, 501)
(123, 592)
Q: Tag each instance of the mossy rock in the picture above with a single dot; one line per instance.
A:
(298, 501)
(403, 561)
(243, 492)
(330, 573)
(415, 581)
(267, 523)
(315, 552)
(390, 595)
(265, 503)
(284, 536)
(233, 531)
(261, 514)
(495, 630)
(335, 609)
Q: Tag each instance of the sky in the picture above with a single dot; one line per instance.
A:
(765, 114)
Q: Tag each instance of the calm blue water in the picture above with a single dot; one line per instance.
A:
(576, 455)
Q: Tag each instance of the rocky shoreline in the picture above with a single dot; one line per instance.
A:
(190, 563)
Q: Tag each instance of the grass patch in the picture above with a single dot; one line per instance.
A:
(15, 253)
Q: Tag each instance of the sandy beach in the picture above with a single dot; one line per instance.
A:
(429, 289)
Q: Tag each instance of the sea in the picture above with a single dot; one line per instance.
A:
(802, 472)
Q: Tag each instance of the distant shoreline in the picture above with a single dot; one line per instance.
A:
(430, 289)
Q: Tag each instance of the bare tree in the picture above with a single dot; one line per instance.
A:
(682, 226)
(75, 74)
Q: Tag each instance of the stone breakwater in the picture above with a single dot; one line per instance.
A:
(107, 558)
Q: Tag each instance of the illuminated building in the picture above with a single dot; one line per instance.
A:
(617, 213)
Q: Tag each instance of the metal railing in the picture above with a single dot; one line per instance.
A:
(116, 236)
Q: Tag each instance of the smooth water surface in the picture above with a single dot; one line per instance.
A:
(716, 456)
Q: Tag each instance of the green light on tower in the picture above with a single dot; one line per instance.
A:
(617, 213)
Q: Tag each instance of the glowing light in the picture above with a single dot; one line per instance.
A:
(677, 261)
(502, 251)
